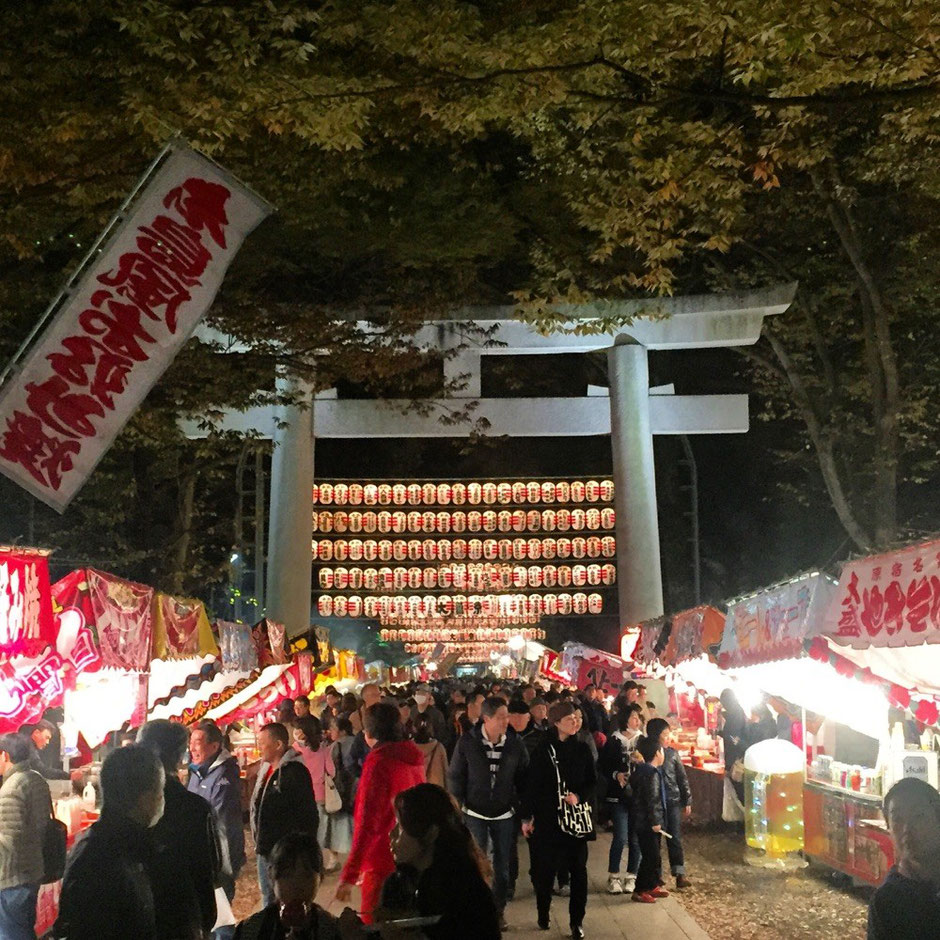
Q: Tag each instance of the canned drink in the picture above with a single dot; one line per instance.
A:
(459, 494)
(504, 493)
(326, 493)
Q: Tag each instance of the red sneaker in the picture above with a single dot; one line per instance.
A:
(659, 893)
(644, 897)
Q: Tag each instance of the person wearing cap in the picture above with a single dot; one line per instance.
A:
(428, 713)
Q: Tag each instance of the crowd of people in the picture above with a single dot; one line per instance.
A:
(418, 796)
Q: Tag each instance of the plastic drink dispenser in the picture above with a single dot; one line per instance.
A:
(773, 798)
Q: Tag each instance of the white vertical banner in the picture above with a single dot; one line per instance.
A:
(122, 324)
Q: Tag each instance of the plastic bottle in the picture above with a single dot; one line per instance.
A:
(89, 796)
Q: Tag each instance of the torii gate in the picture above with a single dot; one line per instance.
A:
(631, 412)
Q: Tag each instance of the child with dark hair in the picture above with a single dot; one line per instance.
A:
(295, 867)
(647, 818)
(678, 797)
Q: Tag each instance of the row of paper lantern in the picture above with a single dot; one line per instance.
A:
(482, 635)
(505, 605)
(466, 652)
(457, 494)
(516, 520)
(471, 577)
(458, 623)
(533, 549)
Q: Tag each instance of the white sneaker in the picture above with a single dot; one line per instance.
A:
(628, 884)
(614, 885)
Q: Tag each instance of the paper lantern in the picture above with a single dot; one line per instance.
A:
(429, 522)
(429, 605)
(385, 550)
(399, 494)
(608, 518)
(535, 576)
(429, 494)
(384, 494)
(370, 494)
(548, 520)
(399, 578)
(520, 577)
(328, 550)
(609, 546)
(594, 574)
(592, 519)
(564, 576)
(444, 550)
(428, 550)
(446, 576)
(504, 493)
(608, 574)
(354, 606)
(489, 493)
(578, 519)
(549, 575)
(339, 606)
(341, 494)
(474, 494)
(459, 494)
(562, 492)
(355, 579)
(533, 520)
(549, 548)
(385, 578)
(415, 578)
(579, 575)
(415, 550)
(326, 493)
(369, 522)
(355, 494)
(519, 549)
(325, 522)
(607, 490)
(356, 550)
(578, 547)
(326, 579)
(444, 493)
(325, 605)
(563, 520)
(413, 522)
(370, 579)
(398, 522)
(564, 547)
(458, 522)
(475, 549)
(315, 493)
(579, 603)
(517, 520)
(534, 549)
(595, 603)
(504, 549)
(519, 492)
(342, 579)
(490, 549)
(474, 521)
(592, 491)
(592, 546)
(546, 493)
(399, 549)
(459, 549)
(355, 521)
(314, 549)
(414, 494)
(429, 578)
(577, 492)
(370, 607)
(383, 521)
(489, 521)
(504, 521)
(551, 605)
(442, 522)
(564, 604)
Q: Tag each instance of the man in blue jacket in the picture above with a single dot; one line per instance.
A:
(214, 775)
(486, 776)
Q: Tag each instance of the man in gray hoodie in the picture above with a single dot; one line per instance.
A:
(25, 805)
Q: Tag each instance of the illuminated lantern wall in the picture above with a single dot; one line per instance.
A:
(464, 555)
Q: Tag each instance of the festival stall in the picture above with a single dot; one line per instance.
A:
(882, 641)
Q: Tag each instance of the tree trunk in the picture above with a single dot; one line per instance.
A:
(184, 524)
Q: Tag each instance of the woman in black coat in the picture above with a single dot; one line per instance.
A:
(560, 757)
(732, 733)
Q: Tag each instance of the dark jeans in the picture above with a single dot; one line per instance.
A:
(514, 855)
(18, 912)
(674, 845)
(551, 854)
(651, 862)
(622, 836)
(502, 833)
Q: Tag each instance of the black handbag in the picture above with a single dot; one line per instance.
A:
(54, 840)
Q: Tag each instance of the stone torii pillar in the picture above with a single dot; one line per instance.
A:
(639, 571)
(289, 572)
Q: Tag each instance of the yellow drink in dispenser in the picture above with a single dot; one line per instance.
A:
(773, 800)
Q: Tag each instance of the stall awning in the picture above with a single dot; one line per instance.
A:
(692, 633)
(772, 624)
(890, 600)
(653, 637)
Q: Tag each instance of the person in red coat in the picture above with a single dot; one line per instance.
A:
(392, 766)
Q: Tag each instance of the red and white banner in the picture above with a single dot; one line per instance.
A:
(889, 600)
(122, 325)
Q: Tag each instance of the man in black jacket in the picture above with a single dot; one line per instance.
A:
(486, 776)
(106, 892)
(187, 858)
(283, 799)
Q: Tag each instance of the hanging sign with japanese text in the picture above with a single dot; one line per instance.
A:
(889, 600)
(26, 626)
(122, 325)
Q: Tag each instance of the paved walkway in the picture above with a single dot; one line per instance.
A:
(609, 916)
